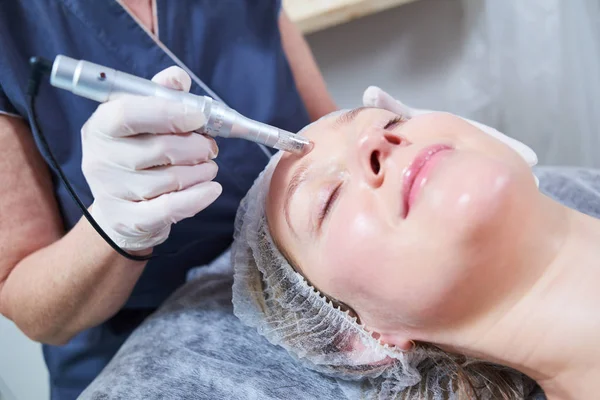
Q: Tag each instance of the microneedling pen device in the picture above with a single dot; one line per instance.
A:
(102, 84)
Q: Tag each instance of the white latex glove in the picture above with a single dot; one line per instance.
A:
(144, 168)
(376, 97)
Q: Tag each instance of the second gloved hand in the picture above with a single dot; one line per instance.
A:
(145, 169)
(376, 97)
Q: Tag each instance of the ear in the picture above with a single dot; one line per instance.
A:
(361, 355)
(400, 341)
(397, 340)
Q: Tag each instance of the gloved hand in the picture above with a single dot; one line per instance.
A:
(145, 169)
(376, 97)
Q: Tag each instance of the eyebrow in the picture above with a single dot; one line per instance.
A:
(298, 179)
(349, 116)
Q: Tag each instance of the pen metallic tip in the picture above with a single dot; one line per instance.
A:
(308, 147)
(293, 143)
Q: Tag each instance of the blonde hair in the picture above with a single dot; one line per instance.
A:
(469, 378)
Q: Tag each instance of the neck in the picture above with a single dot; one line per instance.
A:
(551, 329)
(142, 11)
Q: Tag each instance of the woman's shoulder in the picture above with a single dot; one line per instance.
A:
(575, 187)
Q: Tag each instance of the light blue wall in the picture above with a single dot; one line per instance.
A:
(23, 374)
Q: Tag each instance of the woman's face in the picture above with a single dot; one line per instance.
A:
(404, 221)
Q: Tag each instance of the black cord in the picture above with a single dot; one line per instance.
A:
(40, 67)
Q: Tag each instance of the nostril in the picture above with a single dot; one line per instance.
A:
(392, 139)
(375, 166)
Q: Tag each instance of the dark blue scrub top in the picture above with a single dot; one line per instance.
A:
(231, 46)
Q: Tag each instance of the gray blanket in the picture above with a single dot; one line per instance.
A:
(194, 348)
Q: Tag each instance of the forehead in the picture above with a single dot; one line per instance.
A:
(326, 134)
(331, 136)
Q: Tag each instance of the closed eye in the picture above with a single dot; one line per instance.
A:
(324, 212)
(394, 122)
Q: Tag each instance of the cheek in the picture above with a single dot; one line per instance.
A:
(459, 230)
(350, 250)
(469, 194)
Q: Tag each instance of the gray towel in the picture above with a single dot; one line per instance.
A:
(194, 348)
(577, 188)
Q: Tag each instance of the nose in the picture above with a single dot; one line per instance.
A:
(374, 147)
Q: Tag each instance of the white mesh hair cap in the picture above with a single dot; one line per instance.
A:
(269, 295)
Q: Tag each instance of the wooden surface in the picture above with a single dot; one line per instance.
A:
(315, 15)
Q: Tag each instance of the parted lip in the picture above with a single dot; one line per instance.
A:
(412, 172)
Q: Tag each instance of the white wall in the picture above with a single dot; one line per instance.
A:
(23, 375)
(528, 68)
